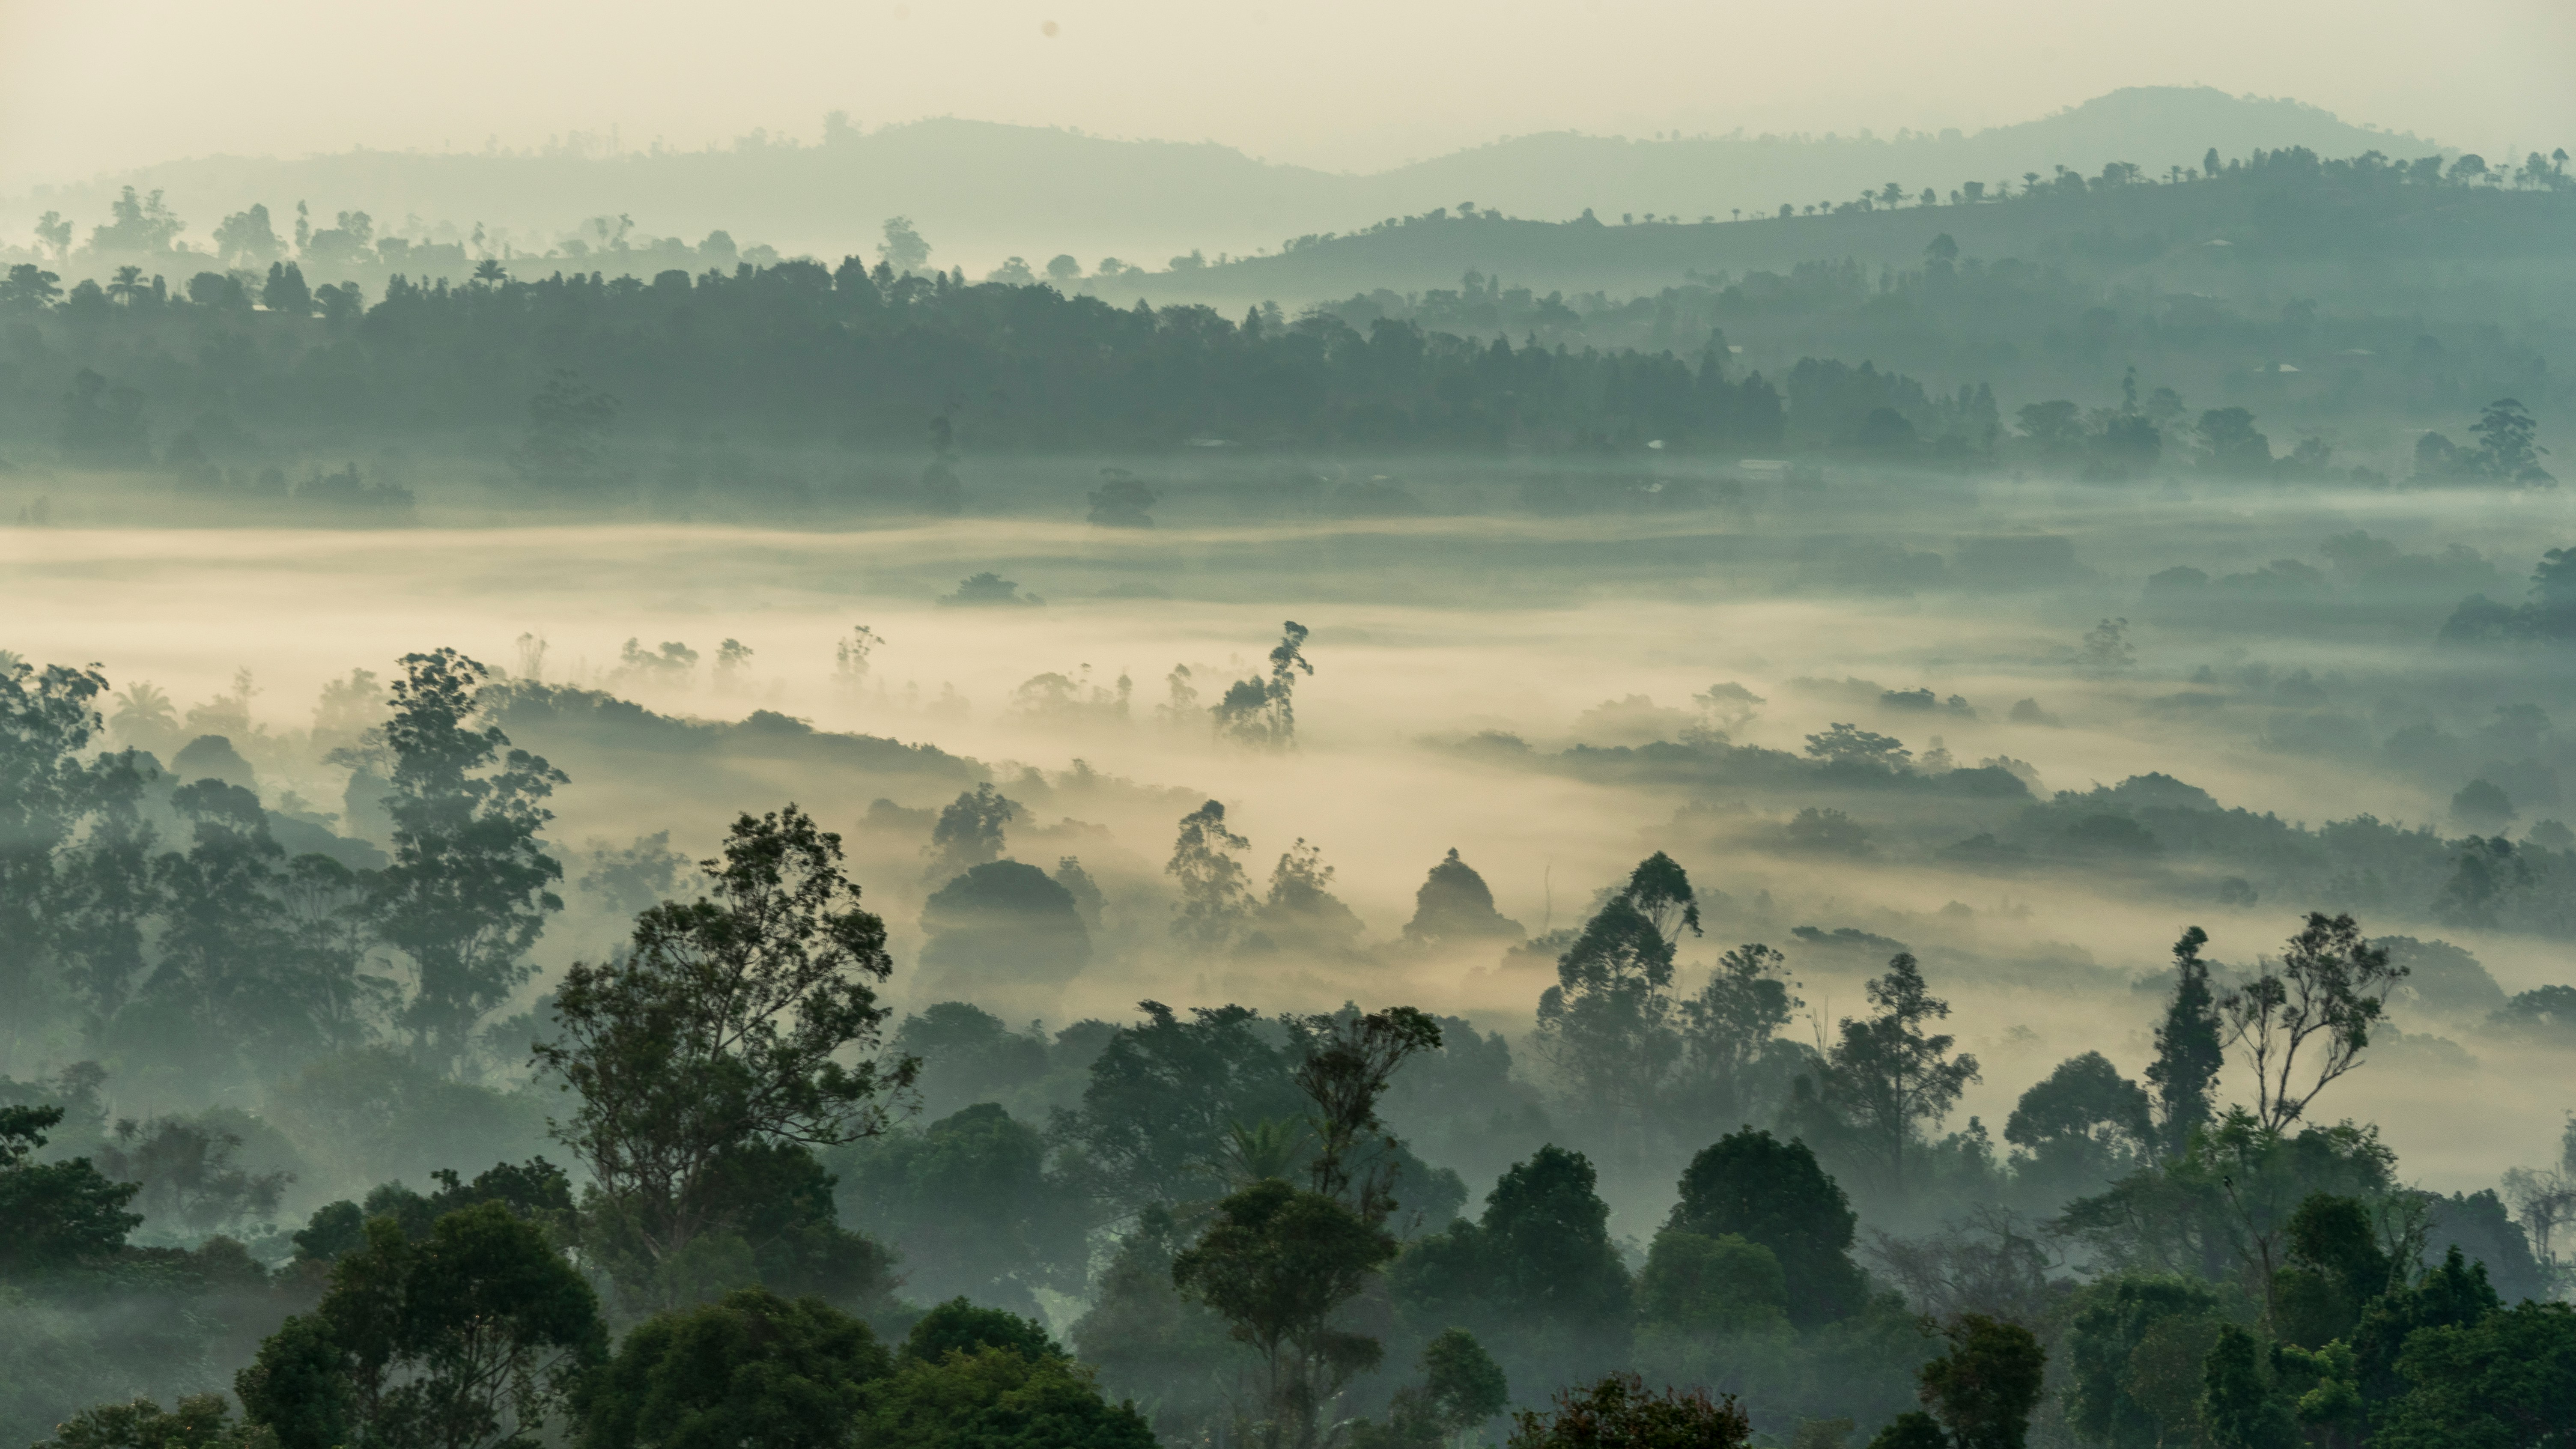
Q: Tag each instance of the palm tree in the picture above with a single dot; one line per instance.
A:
(127, 286)
(490, 272)
(143, 713)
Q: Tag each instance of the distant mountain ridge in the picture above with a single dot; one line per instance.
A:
(980, 191)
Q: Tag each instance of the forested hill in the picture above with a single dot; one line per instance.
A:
(981, 191)
(2256, 221)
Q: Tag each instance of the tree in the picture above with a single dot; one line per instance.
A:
(1984, 1389)
(29, 288)
(47, 719)
(60, 1214)
(968, 832)
(2238, 1407)
(723, 1027)
(1301, 913)
(2326, 990)
(1261, 711)
(1454, 904)
(2190, 1048)
(751, 1368)
(995, 1398)
(2508, 450)
(1122, 499)
(2134, 1351)
(1721, 1287)
(470, 885)
(1215, 898)
(1161, 1098)
(1607, 1023)
(1773, 1194)
(1279, 1264)
(1536, 1277)
(969, 1202)
(903, 249)
(1345, 1062)
(246, 239)
(284, 291)
(1728, 1030)
(1852, 746)
(471, 1339)
(2507, 1380)
(198, 1421)
(1887, 1073)
(2082, 1126)
(1619, 1413)
(1003, 926)
(958, 1326)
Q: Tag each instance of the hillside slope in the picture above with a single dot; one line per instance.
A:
(981, 191)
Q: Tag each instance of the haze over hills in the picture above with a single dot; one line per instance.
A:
(981, 191)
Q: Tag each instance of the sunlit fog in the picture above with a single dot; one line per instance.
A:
(1865, 757)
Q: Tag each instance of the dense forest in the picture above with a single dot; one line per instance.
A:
(712, 1184)
(877, 388)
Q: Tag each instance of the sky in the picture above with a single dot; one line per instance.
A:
(1341, 84)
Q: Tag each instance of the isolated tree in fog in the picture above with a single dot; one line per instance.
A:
(470, 885)
(1608, 1022)
(903, 249)
(1454, 904)
(1215, 896)
(1261, 711)
(2190, 1049)
(1888, 1073)
(726, 1026)
(2082, 1125)
(969, 831)
(2321, 999)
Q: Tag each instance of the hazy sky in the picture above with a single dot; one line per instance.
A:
(1354, 84)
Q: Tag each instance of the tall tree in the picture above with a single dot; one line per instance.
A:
(1280, 1264)
(1889, 1073)
(470, 885)
(1608, 1022)
(2190, 1049)
(725, 1028)
(1215, 896)
(2321, 997)
(1773, 1193)
(1263, 711)
(1346, 1060)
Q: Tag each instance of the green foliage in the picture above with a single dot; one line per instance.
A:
(1536, 1278)
(1770, 1193)
(969, 1203)
(2453, 1295)
(2189, 1048)
(1153, 1342)
(2328, 989)
(1215, 898)
(470, 885)
(2081, 1126)
(1160, 1101)
(199, 1421)
(1887, 1076)
(2134, 1351)
(1001, 925)
(1344, 1062)
(2508, 1381)
(958, 1326)
(1618, 1412)
(1718, 1287)
(1607, 1023)
(2336, 1267)
(2239, 1408)
(59, 1214)
(751, 1368)
(1279, 1265)
(1453, 903)
(1984, 1389)
(997, 1399)
(720, 1034)
(469, 1339)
